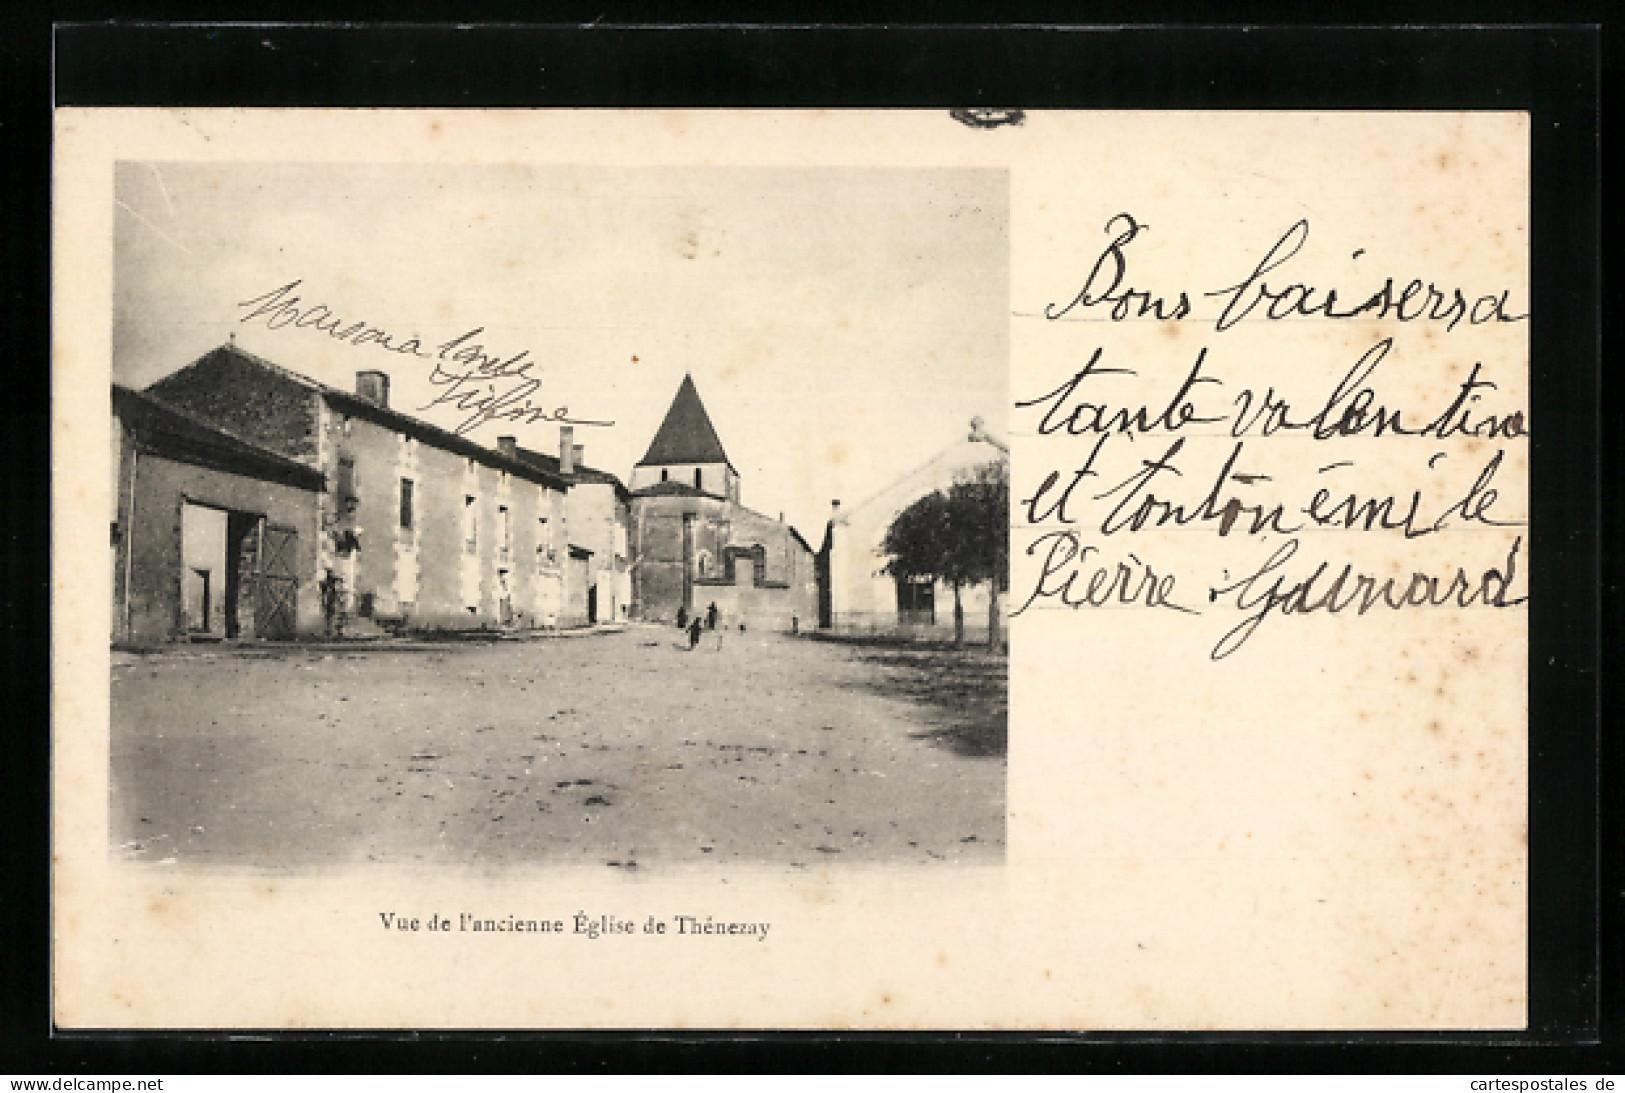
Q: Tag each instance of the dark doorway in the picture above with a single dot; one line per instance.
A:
(916, 603)
(592, 604)
(242, 557)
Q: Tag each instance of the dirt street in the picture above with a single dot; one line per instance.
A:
(622, 748)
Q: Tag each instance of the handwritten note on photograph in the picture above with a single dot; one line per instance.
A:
(1267, 428)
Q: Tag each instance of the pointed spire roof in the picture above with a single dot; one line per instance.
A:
(687, 435)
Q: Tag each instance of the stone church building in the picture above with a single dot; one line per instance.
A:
(695, 544)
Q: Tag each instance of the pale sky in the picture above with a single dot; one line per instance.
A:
(841, 324)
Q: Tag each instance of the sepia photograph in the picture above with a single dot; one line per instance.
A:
(528, 515)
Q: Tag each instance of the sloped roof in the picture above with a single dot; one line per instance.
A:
(175, 433)
(687, 435)
(683, 489)
(357, 406)
(977, 448)
(677, 489)
(581, 475)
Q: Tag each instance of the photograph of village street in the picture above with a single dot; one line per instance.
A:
(509, 515)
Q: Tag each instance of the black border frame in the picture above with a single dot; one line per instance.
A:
(1553, 71)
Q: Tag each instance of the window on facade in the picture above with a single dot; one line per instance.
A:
(406, 504)
(664, 474)
(471, 526)
(697, 479)
(504, 529)
(544, 542)
(345, 486)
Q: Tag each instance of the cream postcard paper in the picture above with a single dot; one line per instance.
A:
(1254, 387)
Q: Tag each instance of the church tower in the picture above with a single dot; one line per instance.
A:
(687, 451)
(696, 549)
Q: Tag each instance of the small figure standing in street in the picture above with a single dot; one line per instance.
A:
(682, 617)
(694, 632)
(330, 586)
(713, 621)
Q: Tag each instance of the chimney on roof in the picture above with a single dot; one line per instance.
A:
(508, 446)
(373, 386)
(835, 508)
(578, 456)
(567, 449)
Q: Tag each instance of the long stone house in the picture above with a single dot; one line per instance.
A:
(423, 528)
(597, 513)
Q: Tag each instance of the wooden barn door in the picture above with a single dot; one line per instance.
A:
(275, 580)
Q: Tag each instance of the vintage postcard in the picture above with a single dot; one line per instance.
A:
(775, 569)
